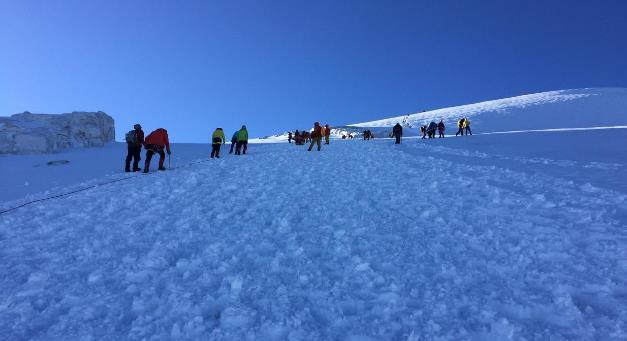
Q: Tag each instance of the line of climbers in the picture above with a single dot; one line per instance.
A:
(463, 125)
(368, 135)
(313, 137)
(158, 141)
(428, 131)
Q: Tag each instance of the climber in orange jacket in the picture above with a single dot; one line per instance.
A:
(155, 142)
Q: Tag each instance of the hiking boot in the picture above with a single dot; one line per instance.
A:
(161, 168)
(137, 169)
(128, 170)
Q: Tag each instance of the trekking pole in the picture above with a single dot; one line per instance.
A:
(169, 158)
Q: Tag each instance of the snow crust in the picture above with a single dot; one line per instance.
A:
(45, 133)
(365, 240)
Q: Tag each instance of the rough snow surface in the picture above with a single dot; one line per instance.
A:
(365, 240)
(44, 133)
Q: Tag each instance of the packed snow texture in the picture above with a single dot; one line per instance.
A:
(486, 237)
(45, 133)
(365, 240)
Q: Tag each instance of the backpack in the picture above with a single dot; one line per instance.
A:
(131, 137)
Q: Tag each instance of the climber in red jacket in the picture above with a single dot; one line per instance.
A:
(155, 143)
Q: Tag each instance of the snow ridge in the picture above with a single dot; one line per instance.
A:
(470, 110)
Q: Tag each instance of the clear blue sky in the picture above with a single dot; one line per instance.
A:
(191, 66)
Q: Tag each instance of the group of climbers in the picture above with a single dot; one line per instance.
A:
(158, 142)
(463, 125)
(429, 130)
(239, 142)
(155, 143)
(315, 136)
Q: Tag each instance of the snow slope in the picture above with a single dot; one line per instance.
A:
(498, 236)
(489, 237)
(575, 108)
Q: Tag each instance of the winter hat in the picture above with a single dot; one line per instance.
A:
(137, 126)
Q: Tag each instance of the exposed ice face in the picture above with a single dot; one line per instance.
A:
(45, 133)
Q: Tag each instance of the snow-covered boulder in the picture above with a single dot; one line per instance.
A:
(45, 133)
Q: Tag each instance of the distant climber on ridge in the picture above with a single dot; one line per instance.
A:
(431, 129)
(467, 126)
(397, 132)
(460, 126)
(441, 129)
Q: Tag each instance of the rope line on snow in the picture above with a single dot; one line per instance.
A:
(81, 190)
(62, 195)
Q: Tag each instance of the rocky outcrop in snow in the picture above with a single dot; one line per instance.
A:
(45, 133)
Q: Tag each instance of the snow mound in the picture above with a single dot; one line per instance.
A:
(45, 133)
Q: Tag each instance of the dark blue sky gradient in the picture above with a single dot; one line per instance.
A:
(190, 66)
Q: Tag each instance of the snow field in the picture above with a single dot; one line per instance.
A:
(361, 241)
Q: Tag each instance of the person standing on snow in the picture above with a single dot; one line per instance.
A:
(460, 126)
(134, 142)
(242, 141)
(467, 126)
(397, 132)
(289, 137)
(217, 139)
(233, 141)
(155, 143)
(441, 128)
(327, 134)
(423, 130)
(316, 136)
(431, 130)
